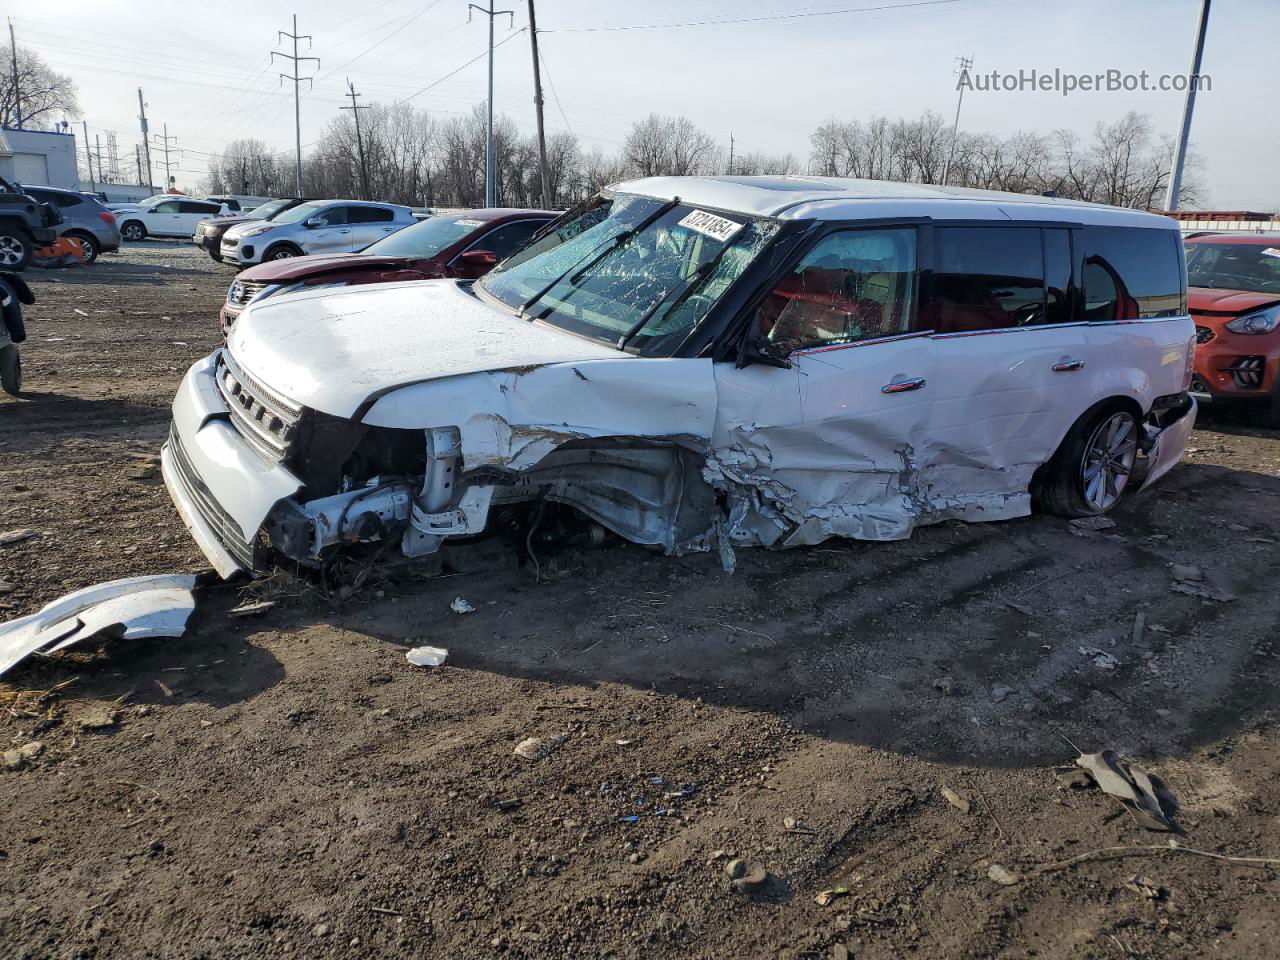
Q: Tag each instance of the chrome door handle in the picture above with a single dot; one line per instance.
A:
(902, 386)
(1066, 366)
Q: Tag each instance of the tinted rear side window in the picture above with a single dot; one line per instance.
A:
(508, 238)
(369, 215)
(986, 278)
(188, 206)
(1132, 272)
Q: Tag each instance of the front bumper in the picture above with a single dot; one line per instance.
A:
(222, 488)
(1236, 366)
(209, 244)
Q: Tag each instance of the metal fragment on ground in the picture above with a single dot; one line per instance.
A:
(136, 607)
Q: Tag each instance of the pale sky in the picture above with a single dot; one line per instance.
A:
(205, 72)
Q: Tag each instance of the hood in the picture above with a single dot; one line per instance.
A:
(332, 349)
(300, 268)
(1213, 300)
(229, 221)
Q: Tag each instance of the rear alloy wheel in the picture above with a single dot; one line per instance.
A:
(1090, 472)
(10, 370)
(88, 245)
(133, 230)
(15, 250)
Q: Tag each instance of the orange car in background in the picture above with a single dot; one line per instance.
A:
(1234, 296)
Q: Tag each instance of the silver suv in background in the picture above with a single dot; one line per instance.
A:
(83, 217)
(328, 226)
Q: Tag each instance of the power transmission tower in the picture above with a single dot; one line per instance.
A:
(17, 91)
(537, 102)
(355, 109)
(966, 64)
(164, 141)
(1180, 152)
(731, 154)
(113, 157)
(297, 100)
(489, 191)
(146, 137)
(97, 145)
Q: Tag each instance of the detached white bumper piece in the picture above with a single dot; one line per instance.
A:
(139, 606)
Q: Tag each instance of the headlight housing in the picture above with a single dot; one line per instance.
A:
(255, 231)
(1263, 321)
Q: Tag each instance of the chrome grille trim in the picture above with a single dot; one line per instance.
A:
(243, 291)
(220, 522)
(263, 418)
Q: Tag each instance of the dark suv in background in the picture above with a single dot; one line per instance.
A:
(208, 233)
(25, 223)
(84, 218)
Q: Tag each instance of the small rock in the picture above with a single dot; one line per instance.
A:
(1000, 693)
(1003, 876)
(206, 723)
(6, 586)
(1093, 523)
(957, 801)
(746, 876)
(97, 718)
(16, 758)
(735, 869)
(320, 930)
(1188, 572)
(635, 858)
(839, 952)
(461, 606)
(947, 685)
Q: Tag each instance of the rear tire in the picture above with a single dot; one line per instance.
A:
(88, 244)
(10, 370)
(16, 248)
(1091, 471)
(133, 230)
(216, 256)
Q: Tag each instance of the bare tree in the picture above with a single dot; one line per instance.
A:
(44, 92)
(668, 146)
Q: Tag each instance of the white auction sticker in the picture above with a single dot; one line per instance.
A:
(709, 224)
(1271, 252)
(469, 223)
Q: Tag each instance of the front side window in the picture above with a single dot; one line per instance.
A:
(166, 206)
(333, 217)
(425, 238)
(853, 285)
(1252, 267)
(1131, 273)
(635, 272)
(986, 278)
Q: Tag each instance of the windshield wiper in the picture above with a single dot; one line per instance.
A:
(690, 283)
(596, 256)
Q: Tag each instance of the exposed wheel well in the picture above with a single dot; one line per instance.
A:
(281, 244)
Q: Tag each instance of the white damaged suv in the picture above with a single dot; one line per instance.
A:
(704, 364)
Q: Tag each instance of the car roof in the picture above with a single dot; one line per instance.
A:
(495, 213)
(1261, 239)
(361, 203)
(841, 198)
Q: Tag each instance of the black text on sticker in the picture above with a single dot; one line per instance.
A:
(711, 225)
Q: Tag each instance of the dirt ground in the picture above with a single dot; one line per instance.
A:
(289, 785)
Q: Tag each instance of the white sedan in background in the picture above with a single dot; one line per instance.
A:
(324, 226)
(166, 216)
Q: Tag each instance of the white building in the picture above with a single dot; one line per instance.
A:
(39, 158)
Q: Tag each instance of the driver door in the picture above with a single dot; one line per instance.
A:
(330, 233)
(164, 220)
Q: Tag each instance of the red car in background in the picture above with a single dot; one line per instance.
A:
(1234, 297)
(464, 246)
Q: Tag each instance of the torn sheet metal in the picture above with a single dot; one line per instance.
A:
(138, 606)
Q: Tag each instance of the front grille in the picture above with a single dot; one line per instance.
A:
(219, 521)
(242, 291)
(265, 419)
(1204, 334)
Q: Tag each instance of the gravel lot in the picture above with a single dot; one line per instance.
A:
(290, 786)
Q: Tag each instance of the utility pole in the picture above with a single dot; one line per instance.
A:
(146, 137)
(489, 183)
(537, 102)
(165, 140)
(355, 109)
(297, 101)
(97, 143)
(966, 64)
(88, 157)
(137, 158)
(731, 153)
(17, 92)
(1180, 152)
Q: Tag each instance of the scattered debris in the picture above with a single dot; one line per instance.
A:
(96, 717)
(251, 609)
(746, 876)
(535, 748)
(1203, 591)
(16, 536)
(427, 656)
(1101, 659)
(1143, 887)
(947, 685)
(1132, 786)
(1022, 608)
(507, 803)
(1112, 853)
(461, 606)
(1187, 571)
(957, 801)
(1003, 875)
(792, 825)
(1074, 777)
(826, 896)
(135, 607)
(1000, 693)
(16, 758)
(1093, 523)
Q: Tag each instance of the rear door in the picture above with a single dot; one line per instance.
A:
(1012, 362)
(330, 233)
(369, 224)
(191, 212)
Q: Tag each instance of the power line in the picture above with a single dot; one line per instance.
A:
(355, 109)
(758, 19)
